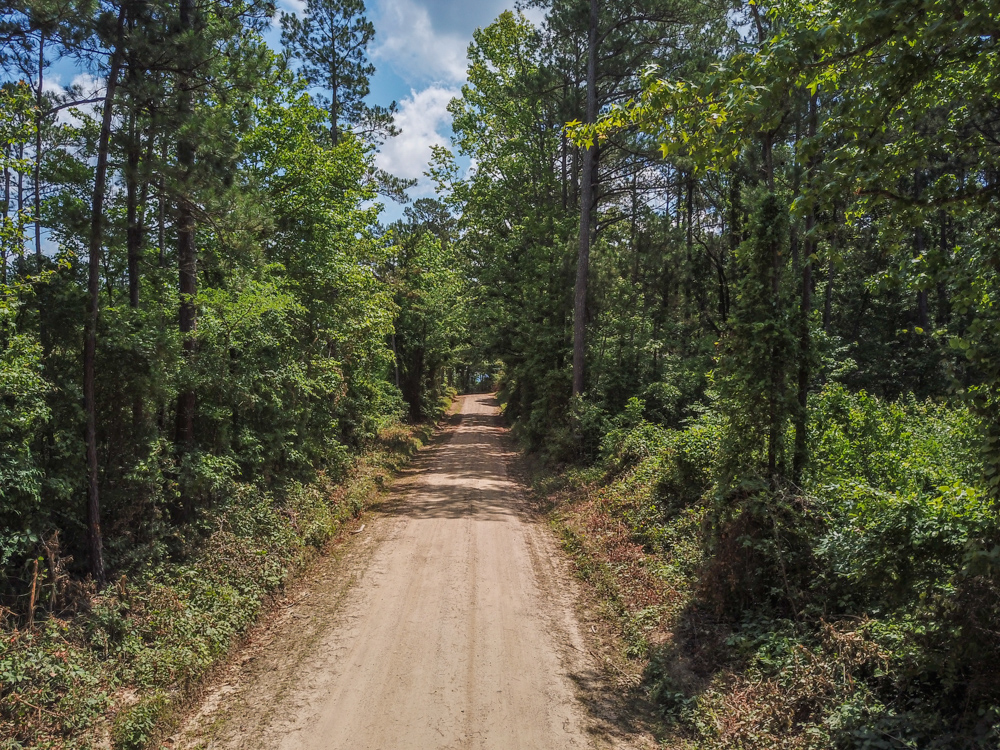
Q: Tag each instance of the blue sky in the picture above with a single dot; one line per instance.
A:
(419, 54)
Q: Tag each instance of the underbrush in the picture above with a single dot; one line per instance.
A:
(858, 610)
(119, 668)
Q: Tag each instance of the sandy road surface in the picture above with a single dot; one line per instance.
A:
(450, 625)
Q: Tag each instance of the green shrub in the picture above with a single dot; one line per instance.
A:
(135, 727)
(689, 464)
(857, 610)
(898, 446)
(631, 438)
(143, 642)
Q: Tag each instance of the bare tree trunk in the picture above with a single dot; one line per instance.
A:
(688, 219)
(689, 215)
(133, 232)
(586, 220)
(187, 266)
(801, 451)
(94, 537)
(39, 103)
(775, 423)
(334, 106)
(161, 214)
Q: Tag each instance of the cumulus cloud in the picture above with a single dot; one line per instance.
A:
(83, 86)
(422, 117)
(409, 43)
(424, 43)
(296, 7)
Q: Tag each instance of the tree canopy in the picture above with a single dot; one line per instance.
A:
(733, 264)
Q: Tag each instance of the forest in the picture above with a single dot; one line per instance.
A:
(730, 266)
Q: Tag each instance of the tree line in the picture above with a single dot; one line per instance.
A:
(769, 191)
(194, 283)
(741, 258)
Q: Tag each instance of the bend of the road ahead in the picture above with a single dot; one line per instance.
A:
(458, 629)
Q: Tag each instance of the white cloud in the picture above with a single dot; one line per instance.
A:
(407, 40)
(87, 84)
(83, 86)
(52, 85)
(422, 117)
(296, 7)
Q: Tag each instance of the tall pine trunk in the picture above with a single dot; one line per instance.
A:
(801, 450)
(133, 231)
(586, 209)
(39, 104)
(95, 541)
(776, 388)
(187, 264)
(161, 212)
(334, 105)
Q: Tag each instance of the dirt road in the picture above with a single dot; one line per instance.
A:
(450, 624)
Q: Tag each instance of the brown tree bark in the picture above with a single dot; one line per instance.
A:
(775, 422)
(586, 219)
(95, 541)
(334, 110)
(133, 230)
(187, 263)
(161, 213)
(800, 454)
(39, 108)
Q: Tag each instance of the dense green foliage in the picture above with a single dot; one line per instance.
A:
(198, 307)
(791, 323)
(854, 611)
(789, 344)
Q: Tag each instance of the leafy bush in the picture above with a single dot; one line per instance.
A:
(23, 412)
(144, 642)
(631, 438)
(857, 610)
(898, 446)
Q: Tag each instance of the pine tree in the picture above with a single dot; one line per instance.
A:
(331, 41)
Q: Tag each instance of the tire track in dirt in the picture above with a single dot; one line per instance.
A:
(450, 624)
